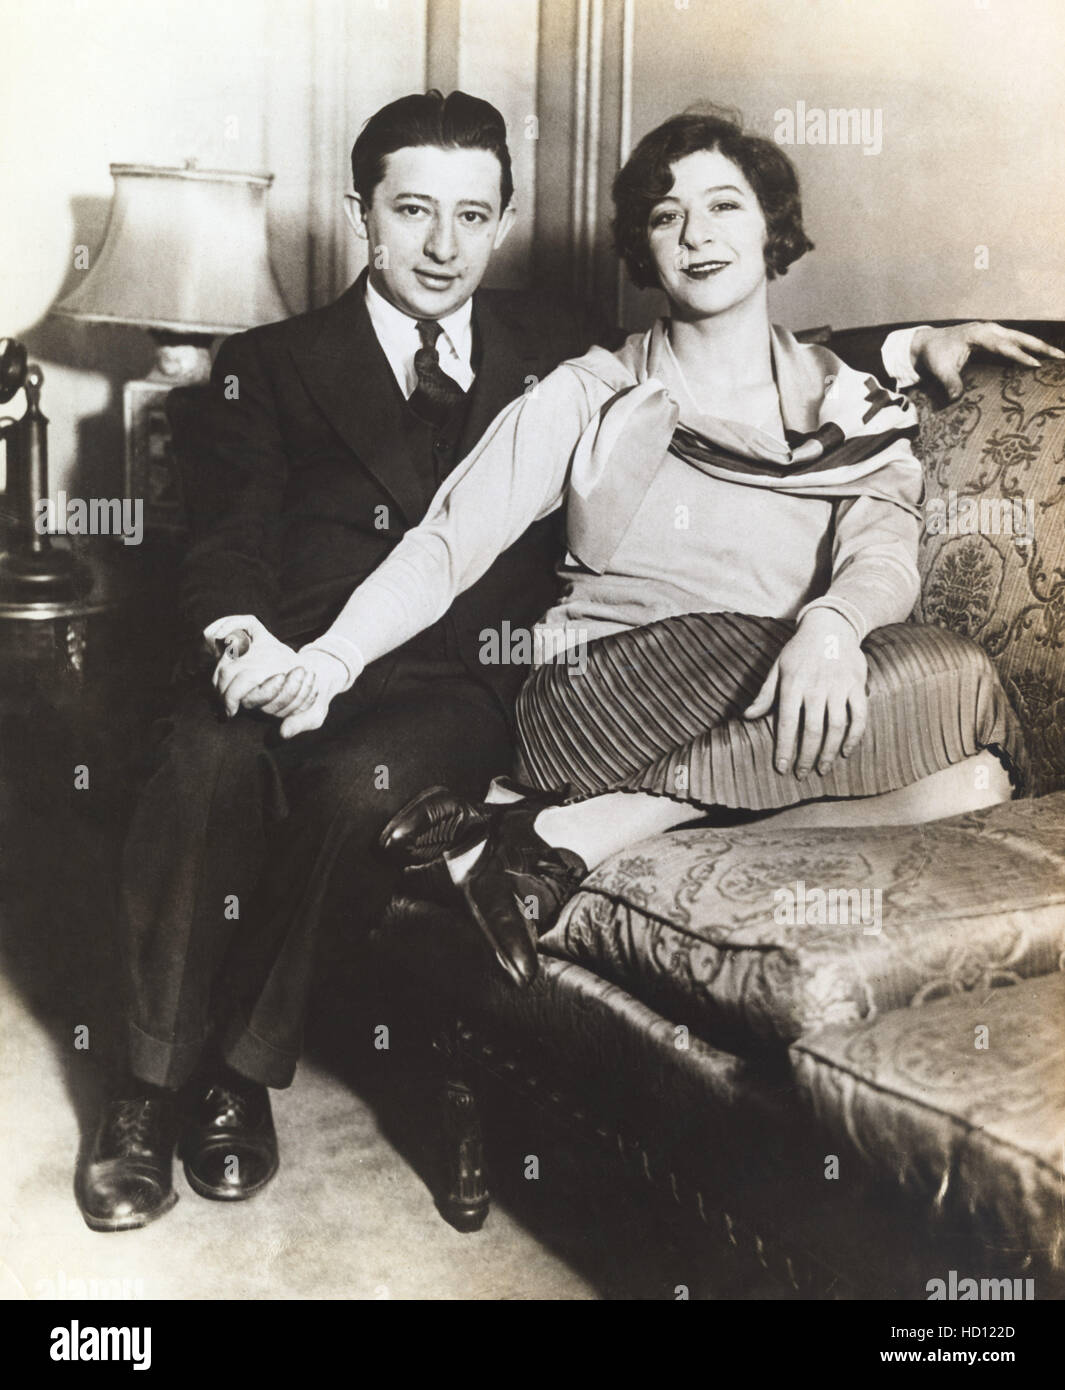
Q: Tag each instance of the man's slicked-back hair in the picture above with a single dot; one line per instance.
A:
(455, 122)
(648, 176)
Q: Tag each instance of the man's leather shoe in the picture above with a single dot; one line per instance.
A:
(230, 1147)
(127, 1179)
(434, 822)
(517, 887)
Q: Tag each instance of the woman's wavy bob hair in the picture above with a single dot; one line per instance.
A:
(648, 176)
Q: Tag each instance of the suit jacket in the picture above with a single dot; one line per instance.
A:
(307, 470)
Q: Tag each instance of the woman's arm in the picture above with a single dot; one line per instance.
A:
(874, 564)
(818, 681)
(515, 475)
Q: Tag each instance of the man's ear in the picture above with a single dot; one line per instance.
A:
(510, 212)
(356, 211)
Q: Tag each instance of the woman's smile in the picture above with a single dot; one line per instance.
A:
(703, 270)
(709, 222)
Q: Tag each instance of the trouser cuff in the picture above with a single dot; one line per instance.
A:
(257, 1059)
(167, 1064)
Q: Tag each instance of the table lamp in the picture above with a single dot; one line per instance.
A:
(185, 256)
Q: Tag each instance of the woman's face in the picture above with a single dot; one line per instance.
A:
(707, 237)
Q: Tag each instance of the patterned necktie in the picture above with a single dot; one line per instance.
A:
(436, 394)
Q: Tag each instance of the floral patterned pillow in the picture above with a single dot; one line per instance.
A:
(993, 549)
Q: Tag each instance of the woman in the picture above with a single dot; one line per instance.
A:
(742, 517)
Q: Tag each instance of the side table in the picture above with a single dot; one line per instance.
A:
(50, 640)
(55, 658)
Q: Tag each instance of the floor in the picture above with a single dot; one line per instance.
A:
(346, 1217)
(350, 1215)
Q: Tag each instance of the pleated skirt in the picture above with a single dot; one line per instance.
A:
(659, 709)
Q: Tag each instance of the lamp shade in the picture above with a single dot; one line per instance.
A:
(185, 251)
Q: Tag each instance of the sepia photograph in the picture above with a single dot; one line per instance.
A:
(532, 661)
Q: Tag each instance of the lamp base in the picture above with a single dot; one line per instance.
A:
(153, 474)
(42, 576)
(181, 359)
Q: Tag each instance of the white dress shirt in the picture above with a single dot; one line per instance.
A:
(398, 335)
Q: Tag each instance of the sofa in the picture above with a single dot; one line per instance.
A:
(858, 1100)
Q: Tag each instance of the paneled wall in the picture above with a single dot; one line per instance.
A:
(969, 93)
(275, 85)
(958, 213)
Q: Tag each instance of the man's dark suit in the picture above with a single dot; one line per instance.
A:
(310, 467)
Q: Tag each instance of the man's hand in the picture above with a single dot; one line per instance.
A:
(943, 352)
(243, 665)
(818, 681)
(301, 698)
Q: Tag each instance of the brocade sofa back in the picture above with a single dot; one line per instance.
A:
(992, 554)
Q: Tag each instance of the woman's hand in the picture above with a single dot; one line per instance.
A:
(248, 655)
(288, 692)
(818, 682)
(943, 352)
(301, 698)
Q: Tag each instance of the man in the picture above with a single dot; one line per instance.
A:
(325, 438)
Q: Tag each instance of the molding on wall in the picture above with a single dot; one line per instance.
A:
(329, 131)
(499, 59)
(361, 56)
(628, 53)
(582, 104)
(574, 246)
(442, 39)
(588, 88)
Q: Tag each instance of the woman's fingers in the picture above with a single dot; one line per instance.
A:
(858, 704)
(312, 718)
(789, 711)
(816, 719)
(1019, 355)
(288, 693)
(238, 687)
(264, 693)
(308, 699)
(813, 733)
(306, 694)
(763, 701)
(835, 729)
(1014, 343)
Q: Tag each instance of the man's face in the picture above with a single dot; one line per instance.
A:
(431, 227)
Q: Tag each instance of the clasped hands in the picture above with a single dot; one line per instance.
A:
(257, 672)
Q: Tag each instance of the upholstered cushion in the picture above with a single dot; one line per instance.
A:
(962, 1102)
(1003, 442)
(696, 923)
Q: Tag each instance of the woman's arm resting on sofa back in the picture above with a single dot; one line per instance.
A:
(941, 353)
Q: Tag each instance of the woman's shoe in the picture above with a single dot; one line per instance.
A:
(434, 822)
(437, 822)
(517, 887)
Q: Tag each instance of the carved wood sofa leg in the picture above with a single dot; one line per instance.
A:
(464, 1200)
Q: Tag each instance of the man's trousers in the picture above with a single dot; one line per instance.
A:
(241, 841)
